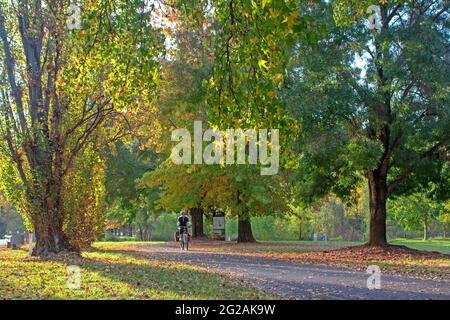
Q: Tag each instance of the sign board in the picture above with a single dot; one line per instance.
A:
(219, 227)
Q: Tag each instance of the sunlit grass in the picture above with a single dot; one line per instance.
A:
(113, 275)
(439, 245)
(114, 244)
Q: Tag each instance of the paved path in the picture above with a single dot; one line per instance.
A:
(304, 281)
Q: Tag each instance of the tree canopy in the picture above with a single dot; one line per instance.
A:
(359, 91)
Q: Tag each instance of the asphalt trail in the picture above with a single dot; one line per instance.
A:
(293, 280)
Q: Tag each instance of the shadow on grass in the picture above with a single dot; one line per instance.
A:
(346, 288)
(115, 274)
(163, 279)
(159, 280)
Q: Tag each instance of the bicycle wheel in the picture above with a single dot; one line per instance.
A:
(184, 241)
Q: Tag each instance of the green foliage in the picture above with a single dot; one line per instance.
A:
(10, 220)
(127, 202)
(13, 189)
(416, 211)
(165, 226)
(84, 199)
(114, 56)
(250, 60)
(335, 91)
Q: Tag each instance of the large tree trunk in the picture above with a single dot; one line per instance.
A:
(197, 222)
(245, 233)
(378, 196)
(50, 237)
(48, 217)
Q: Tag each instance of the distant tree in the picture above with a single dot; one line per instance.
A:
(444, 218)
(182, 98)
(415, 212)
(127, 202)
(10, 219)
(372, 106)
(238, 190)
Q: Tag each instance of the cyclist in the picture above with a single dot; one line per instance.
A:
(183, 221)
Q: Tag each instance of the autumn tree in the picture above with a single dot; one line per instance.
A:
(362, 104)
(182, 99)
(59, 89)
(237, 190)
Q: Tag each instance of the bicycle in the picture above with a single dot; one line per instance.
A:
(184, 239)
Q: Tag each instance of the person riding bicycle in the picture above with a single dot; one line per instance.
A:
(183, 221)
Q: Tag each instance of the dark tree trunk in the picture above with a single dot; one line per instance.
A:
(48, 219)
(148, 232)
(50, 237)
(245, 233)
(197, 222)
(378, 196)
(300, 232)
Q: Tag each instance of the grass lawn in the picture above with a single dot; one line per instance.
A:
(109, 274)
(438, 245)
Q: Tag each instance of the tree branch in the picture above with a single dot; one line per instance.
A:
(10, 66)
(394, 184)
